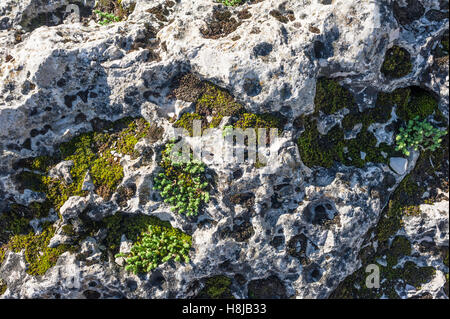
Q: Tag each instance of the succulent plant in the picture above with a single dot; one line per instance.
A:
(157, 245)
(232, 2)
(418, 134)
(106, 18)
(183, 185)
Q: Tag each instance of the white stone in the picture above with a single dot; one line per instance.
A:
(398, 164)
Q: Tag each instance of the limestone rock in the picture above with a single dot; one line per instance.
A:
(398, 164)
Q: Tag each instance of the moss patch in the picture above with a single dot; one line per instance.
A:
(400, 204)
(90, 152)
(209, 99)
(323, 150)
(354, 286)
(410, 274)
(39, 257)
(3, 287)
(16, 219)
(420, 103)
(221, 24)
(331, 97)
(397, 63)
(216, 101)
(381, 113)
(320, 150)
(266, 120)
(186, 121)
(217, 287)
(398, 97)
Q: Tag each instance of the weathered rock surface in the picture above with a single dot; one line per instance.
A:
(297, 231)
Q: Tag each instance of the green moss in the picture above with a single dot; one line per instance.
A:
(398, 97)
(3, 287)
(354, 286)
(416, 276)
(81, 151)
(16, 219)
(217, 102)
(30, 180)
(397, 63)
(323, 150)
(320, 150)
(106, 175)
(421, 103)
(68, 230)
(232, 3)
(186, 121)
(42, 163)
(215, 122)
(217, 287)
(399, 205)
(2, 253)
(331, 97)
(38, 255)
(403, 202)
(134, 131)
(40, 210)
(267, 121)
(400, 247)
(89, 152)
(381, 113)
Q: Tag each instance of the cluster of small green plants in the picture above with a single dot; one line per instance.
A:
(182, 184)
(419, 134)
(232, 3)
(110, 11)
(106, 18)
(157, 245)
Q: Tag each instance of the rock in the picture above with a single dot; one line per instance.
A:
(90, 250)
(398, 164)
(125, 248)
(73, 207)
(62, 170)
(88, 185)
(125, 245)
(59, 239)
